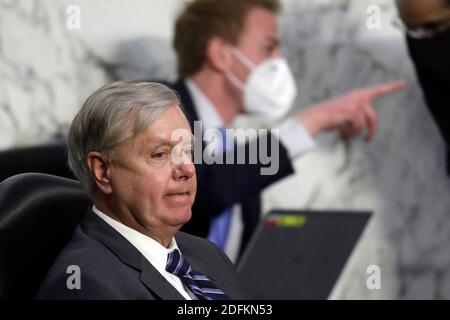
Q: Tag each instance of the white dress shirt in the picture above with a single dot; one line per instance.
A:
(211, 119)
(294, 137)
(152, 250)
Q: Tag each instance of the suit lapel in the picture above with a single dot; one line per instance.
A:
(186, 101)
(156, 283)
(98, 229)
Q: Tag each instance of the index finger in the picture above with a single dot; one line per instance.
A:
(383, 89)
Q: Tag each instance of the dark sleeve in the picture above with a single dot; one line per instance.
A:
(220, 186)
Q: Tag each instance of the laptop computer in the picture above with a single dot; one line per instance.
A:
(299, 254)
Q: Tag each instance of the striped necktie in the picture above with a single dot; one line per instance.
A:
(198, 283)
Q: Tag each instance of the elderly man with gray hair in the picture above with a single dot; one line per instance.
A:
(122, 149)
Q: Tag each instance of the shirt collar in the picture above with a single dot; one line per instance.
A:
(152, 250)
(204, 107)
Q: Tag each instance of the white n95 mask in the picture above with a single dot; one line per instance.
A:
(270, 88)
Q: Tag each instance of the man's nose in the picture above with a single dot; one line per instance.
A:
(184, 170)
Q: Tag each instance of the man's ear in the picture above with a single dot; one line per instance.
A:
(218, 55)
(99, 165)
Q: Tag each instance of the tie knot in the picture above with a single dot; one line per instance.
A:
(176, 264)
(198, 283)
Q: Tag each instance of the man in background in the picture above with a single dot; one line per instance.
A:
(229, 62)
(427, 27)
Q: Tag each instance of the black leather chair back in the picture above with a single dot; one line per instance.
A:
(38, 214)
(49, 159)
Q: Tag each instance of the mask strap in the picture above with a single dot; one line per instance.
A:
(234, 80)
(241, 57)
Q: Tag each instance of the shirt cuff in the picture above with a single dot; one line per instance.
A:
(295, 138)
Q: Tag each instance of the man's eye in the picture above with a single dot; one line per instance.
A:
(159, 155)
(269, 50)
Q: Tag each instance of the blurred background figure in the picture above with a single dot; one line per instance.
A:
(229, 63)
(427, 27)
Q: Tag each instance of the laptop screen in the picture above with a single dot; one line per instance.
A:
(299, 254)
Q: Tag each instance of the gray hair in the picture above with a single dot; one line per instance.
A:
(111, 115)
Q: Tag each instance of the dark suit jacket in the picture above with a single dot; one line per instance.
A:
(221, 186)
(112, 268)
(431, 60)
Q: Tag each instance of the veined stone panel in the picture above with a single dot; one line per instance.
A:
(400, 176)
(45, 72)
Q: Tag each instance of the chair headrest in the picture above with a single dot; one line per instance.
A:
(38, 214)
(49, 159)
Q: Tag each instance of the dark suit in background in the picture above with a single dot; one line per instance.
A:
(112, 268)
(221, 186)
(431, 57)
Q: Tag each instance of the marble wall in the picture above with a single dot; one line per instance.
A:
(46, 71)
(400, 175)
